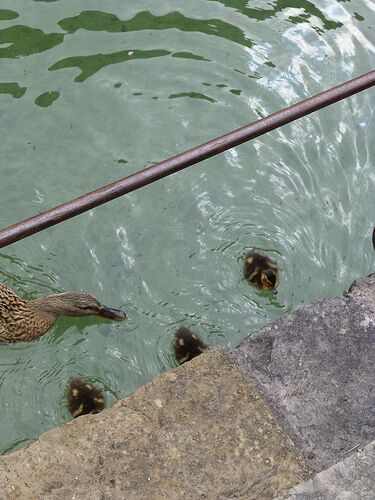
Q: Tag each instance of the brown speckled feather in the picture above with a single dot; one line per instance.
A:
(20, 319)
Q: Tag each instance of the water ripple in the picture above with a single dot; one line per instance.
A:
(171, 254)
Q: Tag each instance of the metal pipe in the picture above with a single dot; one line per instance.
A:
(151, 174)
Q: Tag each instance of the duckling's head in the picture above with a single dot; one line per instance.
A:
(77, 304)
(84, 398)
(269, 280)
(187, 345)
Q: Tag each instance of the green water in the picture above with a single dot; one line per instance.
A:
(88, 96)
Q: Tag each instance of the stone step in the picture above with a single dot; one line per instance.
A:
(199, 431)
(315, 368)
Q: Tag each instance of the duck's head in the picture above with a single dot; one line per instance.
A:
(269, 280)
(77, 304)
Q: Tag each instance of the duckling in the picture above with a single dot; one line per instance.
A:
(84, 398)
(187, 345)
(28, 319)
(261, 271)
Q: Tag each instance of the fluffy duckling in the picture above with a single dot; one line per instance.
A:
(187, 345)
(261, 271)
(28, 319)
(84, 398)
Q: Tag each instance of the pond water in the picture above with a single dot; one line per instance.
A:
(92, 91)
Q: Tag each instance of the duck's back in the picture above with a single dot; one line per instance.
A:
(9, 302)
(18, 319)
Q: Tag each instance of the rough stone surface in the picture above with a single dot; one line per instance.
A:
(199, 431)
(352, 479)
(315, 368)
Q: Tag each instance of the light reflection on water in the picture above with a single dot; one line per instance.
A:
(87, 97)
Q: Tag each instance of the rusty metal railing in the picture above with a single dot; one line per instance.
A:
(151, 174)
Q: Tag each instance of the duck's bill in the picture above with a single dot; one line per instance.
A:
(114, 314)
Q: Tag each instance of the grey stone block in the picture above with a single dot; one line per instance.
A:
(315, 368)
(351, 479)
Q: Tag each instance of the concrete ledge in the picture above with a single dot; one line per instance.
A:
(199, 431)
(315, 369)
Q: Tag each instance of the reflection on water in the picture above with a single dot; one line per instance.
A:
(296, 11)
(89, 65)
(47, 98)
(24, 41)
(171, 253)
(142, 21)
(6, 15)
(13, 89)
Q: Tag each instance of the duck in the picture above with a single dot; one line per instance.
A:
(84, 398)
(187, 345)
(23, 320)
(261, 271)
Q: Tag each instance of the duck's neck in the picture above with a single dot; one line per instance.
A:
(50, 305)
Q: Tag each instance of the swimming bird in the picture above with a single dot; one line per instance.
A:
(29, 319)
(187, 345)
(84, 398)
(261, 271)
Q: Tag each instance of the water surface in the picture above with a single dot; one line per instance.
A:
(90, 93)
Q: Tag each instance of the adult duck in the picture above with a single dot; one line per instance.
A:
(22, 320)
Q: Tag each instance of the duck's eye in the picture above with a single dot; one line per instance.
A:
(88, 307)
